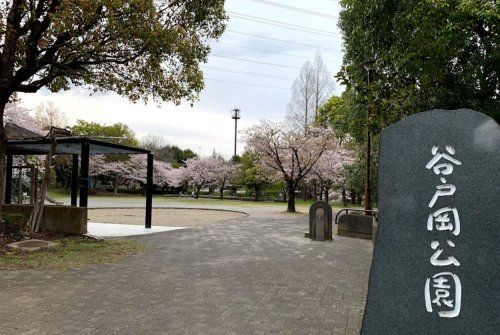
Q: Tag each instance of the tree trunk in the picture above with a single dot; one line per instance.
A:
(291, 197)
(68, 180)
(256, 193)
(211, 190)
(305, 191)
(35, 219)
(3, 149)
(344, 198)
(197, 193)
(221, 196)
(115, 186)
(327, 197)
(353, 197)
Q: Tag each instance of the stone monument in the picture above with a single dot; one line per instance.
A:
(356, 225)
(436, 257)
(320, 221)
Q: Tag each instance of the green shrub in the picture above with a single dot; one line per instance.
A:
(14, 225)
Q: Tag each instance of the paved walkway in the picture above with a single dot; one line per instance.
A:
(254, 276)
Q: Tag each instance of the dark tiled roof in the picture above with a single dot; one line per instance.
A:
(16, 133)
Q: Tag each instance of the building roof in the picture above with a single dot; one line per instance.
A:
(15, 132)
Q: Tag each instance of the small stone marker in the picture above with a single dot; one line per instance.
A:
(435, 263)
(31, 245)
(320, 221)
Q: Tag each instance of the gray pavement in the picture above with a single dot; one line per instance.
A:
(250, 276)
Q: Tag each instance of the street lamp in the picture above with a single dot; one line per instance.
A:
(368, 65)
(235, 115)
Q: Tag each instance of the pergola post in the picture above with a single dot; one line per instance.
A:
(84, 174)
(149, 191)
(8, 180)
(74, 181)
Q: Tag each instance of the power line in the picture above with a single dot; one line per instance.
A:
(283, 24)
(258, 62)
(269, 51)
(297, 9)
(248, 84)
(280, 40)
(256, 74)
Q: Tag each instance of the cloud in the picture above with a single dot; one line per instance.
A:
(188, 127)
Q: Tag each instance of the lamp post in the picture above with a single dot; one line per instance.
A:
(235, 115)
(368, 65)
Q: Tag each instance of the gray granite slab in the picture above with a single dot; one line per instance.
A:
(436, 257)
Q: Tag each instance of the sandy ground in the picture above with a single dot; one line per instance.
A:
(161, 216)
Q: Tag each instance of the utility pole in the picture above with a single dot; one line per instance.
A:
(368, 198)
(235, 115)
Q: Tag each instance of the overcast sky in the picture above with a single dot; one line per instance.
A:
(208, 125)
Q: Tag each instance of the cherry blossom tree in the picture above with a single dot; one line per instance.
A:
(138, 170)
(15, 113)
(118, 170)
(292, 153)
(132, 169)
(176, 177)
(223, 173)
(330, 168)
(199, 172)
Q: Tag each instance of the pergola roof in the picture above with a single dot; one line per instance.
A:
(69, 145)
(22, 141)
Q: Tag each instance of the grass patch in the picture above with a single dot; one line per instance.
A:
(71, 252)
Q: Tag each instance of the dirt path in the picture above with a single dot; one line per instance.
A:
(162, 216)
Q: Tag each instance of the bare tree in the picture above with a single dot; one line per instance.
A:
(48, 115)
(302, 103)
(323, 83)
(159, 146)
(310, 90)
(153, 142)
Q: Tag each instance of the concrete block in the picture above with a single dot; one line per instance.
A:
(62, 219)
(356, 225)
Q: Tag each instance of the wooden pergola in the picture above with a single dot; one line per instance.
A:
(80, 147)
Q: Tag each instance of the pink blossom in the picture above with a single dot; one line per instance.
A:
(20, 116)
(292, 153)
(330, 168)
